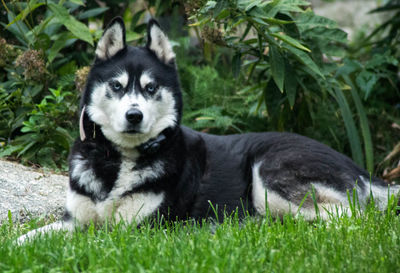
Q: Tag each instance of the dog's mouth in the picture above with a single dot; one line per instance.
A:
(131, 131)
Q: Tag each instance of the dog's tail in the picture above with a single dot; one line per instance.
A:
(382, 194)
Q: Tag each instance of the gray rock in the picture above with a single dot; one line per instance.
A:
(350, 15)
(30, 193)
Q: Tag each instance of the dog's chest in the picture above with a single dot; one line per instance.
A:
(122, 201)
(102, 179)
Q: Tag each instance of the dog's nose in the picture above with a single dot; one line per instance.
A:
(134, 116)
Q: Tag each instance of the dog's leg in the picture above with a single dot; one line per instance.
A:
(57, 226)
(299, 200)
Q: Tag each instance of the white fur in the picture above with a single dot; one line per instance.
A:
(327, 195)
(110, 113)
(380, 194)
(160, 45)
(132, 208)
(136, 207)
(145, 79)
(54, 227)
(122, 78)
(81, 208)
(85, 177)
(84, 210)
(332, 201)
(258, 191)
(111, 42)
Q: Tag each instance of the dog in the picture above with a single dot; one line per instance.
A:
(133, 159)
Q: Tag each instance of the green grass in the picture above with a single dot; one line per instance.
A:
(369, 242)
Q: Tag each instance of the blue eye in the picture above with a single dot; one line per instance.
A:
(116, 86)
(151, 88)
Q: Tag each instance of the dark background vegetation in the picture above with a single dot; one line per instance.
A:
(244, 66)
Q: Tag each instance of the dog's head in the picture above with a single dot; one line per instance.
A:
(132, 93)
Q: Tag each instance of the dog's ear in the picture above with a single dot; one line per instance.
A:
(113, 39)
(157, 41)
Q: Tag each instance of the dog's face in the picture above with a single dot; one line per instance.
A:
(133, 93)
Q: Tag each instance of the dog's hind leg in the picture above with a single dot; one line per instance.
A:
(310, 200)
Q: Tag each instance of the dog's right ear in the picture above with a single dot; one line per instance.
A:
(112, 41)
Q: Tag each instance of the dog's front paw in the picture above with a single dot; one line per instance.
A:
(57, 226)
(26, 237)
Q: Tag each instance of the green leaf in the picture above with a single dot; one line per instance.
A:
(27, 128)
(247, 5)
(58, 44)
(272, 97)
(291, 41)
(63, 138)
(274, 21)
(330, 41)
(365, 131)
(9, 150)
(42, 41)
(91, 13)
(236, 62)
(350, 125)
(223, 14)
(78, 2)
(18, 29)
(277, 66)
(327, 34)
(349, 66)
(305, 59)
(26, 148)
(78, 29)
(132, 36)
(366, 81)
(135, 19)
(290, 84)
(309, 20)
(45, 157)
(219, 9)
(32, 5)
(290, 7)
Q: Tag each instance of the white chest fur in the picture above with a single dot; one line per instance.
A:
(131, 207)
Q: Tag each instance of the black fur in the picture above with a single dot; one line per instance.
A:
(202, 169)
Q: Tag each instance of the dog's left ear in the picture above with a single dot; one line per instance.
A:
(157, 41)
(112, 41)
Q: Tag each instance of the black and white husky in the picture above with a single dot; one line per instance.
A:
(134, 160)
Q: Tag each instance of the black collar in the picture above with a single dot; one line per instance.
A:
(153, 145)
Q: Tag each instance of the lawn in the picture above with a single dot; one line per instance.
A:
(369, 242)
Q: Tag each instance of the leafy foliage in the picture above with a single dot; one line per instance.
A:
(48, 46)
(47, 131)
(244, 66)
(292, 59)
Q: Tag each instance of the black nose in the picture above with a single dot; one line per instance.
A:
(134, 116)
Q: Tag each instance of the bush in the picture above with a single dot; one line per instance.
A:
(250, 66)
(297, 65)
(45, 47)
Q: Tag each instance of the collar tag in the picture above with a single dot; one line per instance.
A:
(81, 129)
